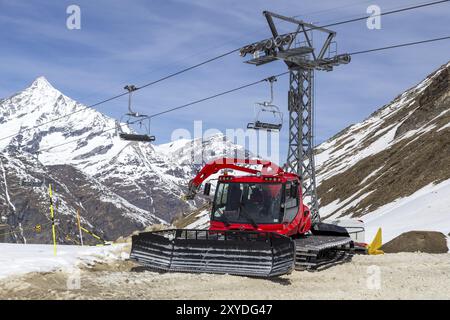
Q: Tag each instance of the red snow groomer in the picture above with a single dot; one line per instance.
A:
(259, 226)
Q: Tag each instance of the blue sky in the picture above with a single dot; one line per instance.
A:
(122, 42)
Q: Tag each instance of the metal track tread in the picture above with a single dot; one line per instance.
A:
(316, 252)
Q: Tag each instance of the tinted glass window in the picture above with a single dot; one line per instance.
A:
(240, 202)
(291, 202)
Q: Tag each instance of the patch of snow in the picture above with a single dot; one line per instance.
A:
(8, 198)
(377, 146)
(347, 205)
(171, 147)
(202, 221)
(373, 173)
(330, 208)
(17, 259)
(444, 127)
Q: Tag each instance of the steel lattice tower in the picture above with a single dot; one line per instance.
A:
(300, 159)
(302, 59)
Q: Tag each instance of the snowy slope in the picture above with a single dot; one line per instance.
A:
(378, 132)
(392, 170)
(427, 209)
(17, 259)
(398, 150)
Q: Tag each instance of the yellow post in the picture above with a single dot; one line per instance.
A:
(79, 227)
(52, 217)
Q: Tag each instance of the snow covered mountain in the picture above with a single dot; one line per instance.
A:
(117, 186)
(393, 169)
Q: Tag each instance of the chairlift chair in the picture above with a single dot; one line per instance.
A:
(137, 137)
(139, 118)
(265, 108)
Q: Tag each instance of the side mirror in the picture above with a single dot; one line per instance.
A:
(207, 189)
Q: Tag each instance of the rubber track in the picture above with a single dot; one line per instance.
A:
(238, 254)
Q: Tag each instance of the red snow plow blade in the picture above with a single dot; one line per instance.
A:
(247, 253)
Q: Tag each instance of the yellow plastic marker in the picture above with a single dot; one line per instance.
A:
(52, 216)
(377, 242)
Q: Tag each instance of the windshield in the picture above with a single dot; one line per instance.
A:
(249, 203)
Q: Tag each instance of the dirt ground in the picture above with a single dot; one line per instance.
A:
(390, 276)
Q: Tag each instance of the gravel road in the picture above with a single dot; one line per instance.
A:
(390, 276)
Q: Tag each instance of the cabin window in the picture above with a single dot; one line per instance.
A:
(291, 202)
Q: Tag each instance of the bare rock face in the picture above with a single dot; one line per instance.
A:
(417, 241)
(431, 102)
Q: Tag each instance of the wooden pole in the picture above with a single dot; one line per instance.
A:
(93, 234)
(79, 227)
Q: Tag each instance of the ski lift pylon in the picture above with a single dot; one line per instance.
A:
(265, 108)
(140, 118)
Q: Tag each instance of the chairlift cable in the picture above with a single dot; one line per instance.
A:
(249, 85)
